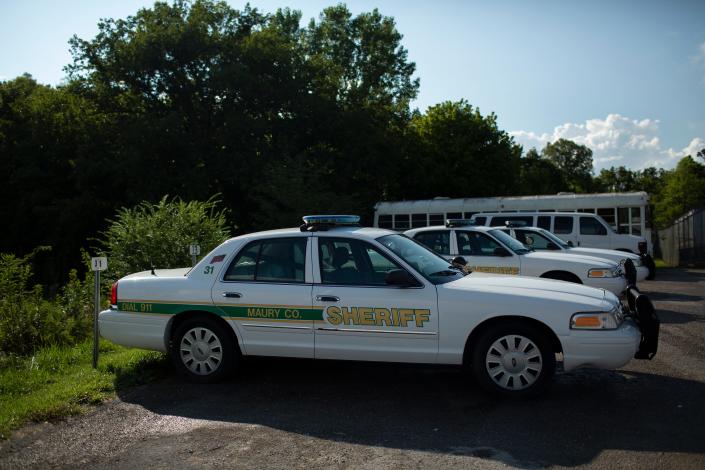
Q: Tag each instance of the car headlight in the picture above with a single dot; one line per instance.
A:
(602, 272)
(597, 320)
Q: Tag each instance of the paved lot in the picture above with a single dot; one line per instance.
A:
(301, 414)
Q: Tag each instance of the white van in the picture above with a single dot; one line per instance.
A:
(576, 228)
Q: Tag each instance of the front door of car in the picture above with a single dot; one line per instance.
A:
(485, 254)
(363, 317)
(266, 292)
(592, 233)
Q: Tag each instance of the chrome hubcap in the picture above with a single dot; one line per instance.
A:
(514, 362)
(201, 351)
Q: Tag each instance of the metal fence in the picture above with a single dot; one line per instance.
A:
(683, 243)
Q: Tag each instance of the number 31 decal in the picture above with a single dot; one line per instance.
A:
(208, 270)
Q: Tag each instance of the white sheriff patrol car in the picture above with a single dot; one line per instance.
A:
(334, 290)
(542, 240)
(490, 250)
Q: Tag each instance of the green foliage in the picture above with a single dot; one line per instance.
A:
(539, 175)
(159, 234)
(573, 160)
(684, 189)
(455, 151)
(58, 381)
(27, 320)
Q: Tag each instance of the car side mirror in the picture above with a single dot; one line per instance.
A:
(551, 246)
(459, 262)
(501, 251)
(400, 278)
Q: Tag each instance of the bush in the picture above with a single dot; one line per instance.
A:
(159, 234)
(27, 320)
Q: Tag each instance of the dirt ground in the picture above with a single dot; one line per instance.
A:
(304, 414)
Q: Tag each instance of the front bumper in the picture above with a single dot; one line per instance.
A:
(642, 311)
(636, 338)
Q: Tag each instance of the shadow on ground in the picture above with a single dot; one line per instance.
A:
(441, 410)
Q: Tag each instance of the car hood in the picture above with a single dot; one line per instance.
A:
(599, 252)
(592, 261)
(529, 285)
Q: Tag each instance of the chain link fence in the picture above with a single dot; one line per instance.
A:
(683, 243)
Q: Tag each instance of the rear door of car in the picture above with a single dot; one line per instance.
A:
(266, 291)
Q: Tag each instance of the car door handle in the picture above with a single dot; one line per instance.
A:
(327, 298)
(232, 295)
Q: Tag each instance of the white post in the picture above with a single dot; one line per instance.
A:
(97, 265)
(194, 250)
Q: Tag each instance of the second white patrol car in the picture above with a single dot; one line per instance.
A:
(334, 290)
(542, 240)
(489, 249)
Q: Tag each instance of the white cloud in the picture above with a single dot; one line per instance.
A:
(615, 141)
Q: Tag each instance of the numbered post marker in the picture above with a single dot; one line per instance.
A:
(194, 250)
(99, 263)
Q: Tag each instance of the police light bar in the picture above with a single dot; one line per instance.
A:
(458, 222)
(514, 223)
(322, 222)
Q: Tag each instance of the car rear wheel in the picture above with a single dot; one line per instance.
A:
(203, 351)
(513, 359)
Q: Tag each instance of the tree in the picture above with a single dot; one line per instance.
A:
(701, 154)
(159, 234)
(573, 160)
(616, 179)
(453, 150)
(684, 189)
(539, 176)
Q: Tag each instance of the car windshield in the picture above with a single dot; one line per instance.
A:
(515, 245)
(554, 239)
(430, 265)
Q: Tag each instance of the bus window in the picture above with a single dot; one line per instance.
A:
(454, 215)
(384, 221)
(623, 219)
(468, 215)
(418, 220)
(544, 222)
(636, 221)
(436, 219)
(563, 225)
(401, 221)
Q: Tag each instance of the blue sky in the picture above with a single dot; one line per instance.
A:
(626, 78)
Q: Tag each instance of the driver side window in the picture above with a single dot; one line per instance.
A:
(352, 262)
(476, 244)
(532, 239)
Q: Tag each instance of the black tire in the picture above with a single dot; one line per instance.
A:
(562, 276)
(523, 382)
(210, 340)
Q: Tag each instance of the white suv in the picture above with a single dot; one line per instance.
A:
(575, 228)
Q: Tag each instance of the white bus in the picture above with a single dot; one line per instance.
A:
(626, 212)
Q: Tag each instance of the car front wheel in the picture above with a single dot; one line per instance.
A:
(202, 350)
(513, 359)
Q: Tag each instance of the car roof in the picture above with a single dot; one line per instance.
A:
(353, 231)
(476, 228)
